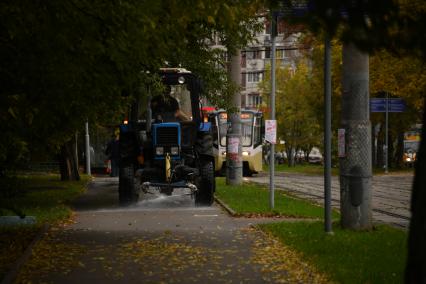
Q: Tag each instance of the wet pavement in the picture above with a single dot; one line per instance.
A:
(391, 193)
(162, 239)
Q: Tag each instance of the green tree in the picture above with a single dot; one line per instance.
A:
(402, 77)
(297, 124)
(67, 62)
(316, 99)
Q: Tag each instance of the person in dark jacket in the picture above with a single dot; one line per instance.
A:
(113, 153)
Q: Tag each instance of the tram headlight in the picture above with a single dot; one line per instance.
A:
(223, 153)
(246, 153)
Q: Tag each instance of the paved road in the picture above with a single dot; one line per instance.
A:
(160, 240)
(390, 200)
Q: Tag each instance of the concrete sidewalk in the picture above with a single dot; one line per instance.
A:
(160, 240)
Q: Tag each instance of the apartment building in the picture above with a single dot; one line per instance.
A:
(257, 56)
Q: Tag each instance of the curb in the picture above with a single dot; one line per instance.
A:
(13, 273)
(224, 206)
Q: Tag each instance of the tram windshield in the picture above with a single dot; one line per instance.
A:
(246, 128)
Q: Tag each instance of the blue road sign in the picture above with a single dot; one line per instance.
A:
(394, 105)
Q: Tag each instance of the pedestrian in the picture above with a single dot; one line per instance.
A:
(113, 153)
(265, 153)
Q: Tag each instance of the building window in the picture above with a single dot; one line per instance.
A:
(253, 54)
(254, 77)
(267, 52)
(281, 26)
(293, 53)
(255, 100)
(280, 53)
(267, 27)
(243, 59)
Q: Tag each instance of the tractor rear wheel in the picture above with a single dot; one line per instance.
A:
(204, 196)
(127, 190)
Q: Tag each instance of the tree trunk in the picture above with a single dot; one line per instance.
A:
(307, 153)
(399, 151)
(290, 157)
(373, 147)
(380, 154)
(390, 151)
(68, 166)
(416, 262)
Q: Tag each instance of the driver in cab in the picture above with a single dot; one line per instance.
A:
(166, 107)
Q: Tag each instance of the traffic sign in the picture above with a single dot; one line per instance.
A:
(394, 105)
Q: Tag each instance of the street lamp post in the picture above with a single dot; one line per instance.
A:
(87, 148)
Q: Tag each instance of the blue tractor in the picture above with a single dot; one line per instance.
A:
(172, 147)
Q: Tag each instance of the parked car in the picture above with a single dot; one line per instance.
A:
(280, 157)
(315, 156)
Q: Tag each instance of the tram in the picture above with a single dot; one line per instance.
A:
(252, 127)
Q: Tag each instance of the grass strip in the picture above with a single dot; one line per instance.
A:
(376, 256)
(253, 200)
(44, 196)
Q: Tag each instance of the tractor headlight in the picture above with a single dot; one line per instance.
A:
(159, 151)
(174, 151)
(246, 153)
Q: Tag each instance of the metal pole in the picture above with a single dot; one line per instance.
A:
(386, 134)
(87, 150)
(327, 135)
(272, 152)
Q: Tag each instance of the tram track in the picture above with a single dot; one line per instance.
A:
(381, 211)
(400, 220)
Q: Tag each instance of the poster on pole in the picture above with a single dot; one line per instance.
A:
(232, 149)
(233, 144)
(271, 131)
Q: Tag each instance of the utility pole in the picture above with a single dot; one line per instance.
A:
(355, 167)
(88, 171)
(387, 135)
(327, 135)
(272, 104)
(234, 164)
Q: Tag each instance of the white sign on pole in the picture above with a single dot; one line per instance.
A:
(233, 144)
(271, 131)
(341, 143)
